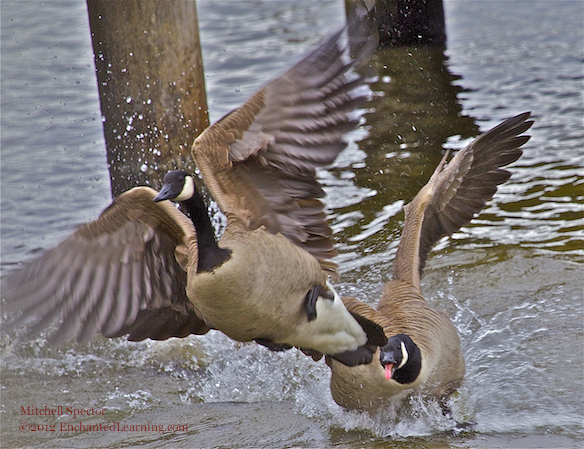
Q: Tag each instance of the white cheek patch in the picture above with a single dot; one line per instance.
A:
(404, 355)
(188, 190)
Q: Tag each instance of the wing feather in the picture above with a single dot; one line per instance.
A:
(114, 276)
(471, 179)
(259, 161)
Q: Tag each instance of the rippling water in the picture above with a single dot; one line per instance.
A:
(511, 280)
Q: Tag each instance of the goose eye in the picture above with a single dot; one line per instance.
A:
(404, 355)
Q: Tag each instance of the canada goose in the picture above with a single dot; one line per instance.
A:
(260, 286)
(133, 270)
(423, 350)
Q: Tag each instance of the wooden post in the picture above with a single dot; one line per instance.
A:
(407, 22)
(151, 86)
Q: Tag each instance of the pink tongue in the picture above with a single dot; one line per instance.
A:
(388, 371)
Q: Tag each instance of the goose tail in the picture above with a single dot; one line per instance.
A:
(345, 329)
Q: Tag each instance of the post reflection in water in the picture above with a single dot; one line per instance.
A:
(414, 112)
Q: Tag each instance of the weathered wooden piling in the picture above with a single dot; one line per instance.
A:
(151, 86)
(407, 22)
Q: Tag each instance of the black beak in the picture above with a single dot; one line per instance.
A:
(388, 363)
(165, 193)
(387, 357)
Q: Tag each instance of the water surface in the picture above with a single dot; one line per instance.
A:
(511, 280)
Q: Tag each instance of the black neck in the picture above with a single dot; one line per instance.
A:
(210, 254)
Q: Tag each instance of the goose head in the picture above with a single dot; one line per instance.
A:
(177, 186)
(401, 359)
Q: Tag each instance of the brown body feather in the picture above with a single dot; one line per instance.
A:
(449, 200)
(251, 302)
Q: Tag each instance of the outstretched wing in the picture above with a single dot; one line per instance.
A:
(117, 275)
(460, 190)
(260, 160)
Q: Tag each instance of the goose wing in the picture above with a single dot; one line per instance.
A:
(363, 310)
(461, 189)
(117, 275)
(260, 160)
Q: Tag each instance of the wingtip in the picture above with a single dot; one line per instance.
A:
(362, 32)
(375, 334)
(518, 123)
(363, 355)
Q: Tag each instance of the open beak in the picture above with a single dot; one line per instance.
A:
(388, 370)
(388, 362)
